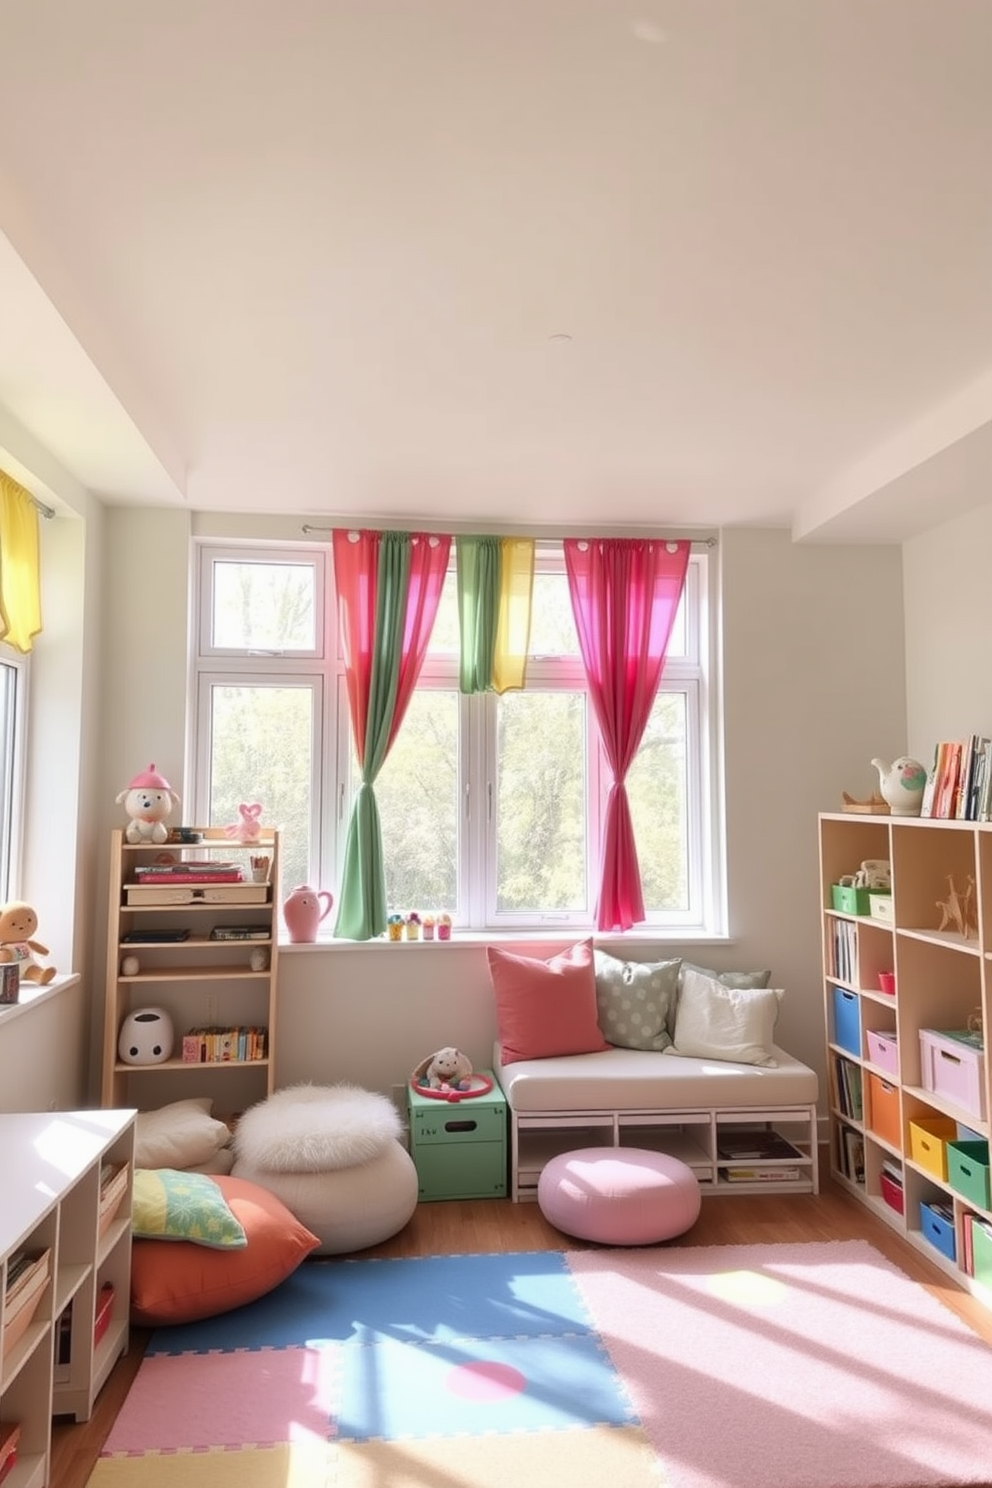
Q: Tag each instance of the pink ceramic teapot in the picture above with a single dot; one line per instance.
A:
(303, 910)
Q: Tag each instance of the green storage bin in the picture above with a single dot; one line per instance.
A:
(850, 900)
(968, 1171)
(466, 1170)
(981, 1252)
(459, 1147)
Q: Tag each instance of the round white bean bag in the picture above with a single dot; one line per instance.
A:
(619, 1195)
(332, 1154)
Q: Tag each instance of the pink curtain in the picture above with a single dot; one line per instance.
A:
(356, 564)
(625, 593)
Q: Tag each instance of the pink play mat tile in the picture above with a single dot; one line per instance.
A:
(194, 1402)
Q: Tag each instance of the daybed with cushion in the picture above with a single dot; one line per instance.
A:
(664, 1055)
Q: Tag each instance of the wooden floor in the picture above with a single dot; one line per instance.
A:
(482, 1225)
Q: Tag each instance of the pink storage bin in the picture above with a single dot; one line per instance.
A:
(953, 1066)
(883, 1050)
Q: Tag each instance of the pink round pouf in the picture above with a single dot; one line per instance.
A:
(619, 1195)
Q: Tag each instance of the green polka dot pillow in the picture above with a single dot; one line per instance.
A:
(636, 1001)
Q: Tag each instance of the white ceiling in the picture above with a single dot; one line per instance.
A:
(315, 256)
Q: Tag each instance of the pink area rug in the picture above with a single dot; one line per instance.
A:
(792, 1366)
(781, 1366)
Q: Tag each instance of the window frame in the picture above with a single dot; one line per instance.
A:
(693, 675)
(13, 773)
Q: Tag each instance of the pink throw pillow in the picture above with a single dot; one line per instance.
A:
(544, 1008)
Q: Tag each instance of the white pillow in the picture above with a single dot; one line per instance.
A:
(181, 1135)
(719, 1022)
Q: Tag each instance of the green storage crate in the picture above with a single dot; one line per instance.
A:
(459, 1147)
(968, 1171)
(849, 900)
(981, 1251)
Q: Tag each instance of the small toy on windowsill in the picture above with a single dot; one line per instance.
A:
(18, 922)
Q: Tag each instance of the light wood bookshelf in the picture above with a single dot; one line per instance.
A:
(199, 981)
(942, 981)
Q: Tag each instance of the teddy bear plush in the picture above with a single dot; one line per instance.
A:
(18, 922)
(148, 801)
(446, 1067)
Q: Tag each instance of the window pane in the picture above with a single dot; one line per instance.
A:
(552, 625)
(541, 812)
(8, 720)
(261, 750)
(444, 637)
(263, 606)
(677, 640)
(656, 791)
(417, 793)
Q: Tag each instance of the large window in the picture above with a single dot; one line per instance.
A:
(490, 806)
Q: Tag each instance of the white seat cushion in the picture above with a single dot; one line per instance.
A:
(643, 1080)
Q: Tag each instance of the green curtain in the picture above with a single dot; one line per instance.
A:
(478, 565)
(362, 905)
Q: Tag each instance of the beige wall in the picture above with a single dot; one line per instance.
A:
(813, 665)
(807, 705)
(949, 632)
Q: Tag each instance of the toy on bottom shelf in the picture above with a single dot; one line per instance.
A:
(148, 801)
(18, 922)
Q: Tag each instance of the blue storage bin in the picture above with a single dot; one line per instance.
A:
(938, 1229)
(847, 1020)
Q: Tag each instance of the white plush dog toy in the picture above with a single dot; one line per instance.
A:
(148, 801)
(445, 1067)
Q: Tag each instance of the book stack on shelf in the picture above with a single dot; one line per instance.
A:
(848, 1093)
(224, 1045)
(188, 871)
(758, 1157)
(851, 1154)
(959, 784)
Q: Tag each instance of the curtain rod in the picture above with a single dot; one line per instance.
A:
(48, 512)
(697, 542)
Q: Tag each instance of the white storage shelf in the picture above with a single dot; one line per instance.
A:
(941, 979)
(52, 1165)
(691, 1136)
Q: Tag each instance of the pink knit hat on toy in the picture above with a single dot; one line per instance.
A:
(150, 779)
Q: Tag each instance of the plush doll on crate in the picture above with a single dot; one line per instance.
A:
(18, 922)
(447, 1068)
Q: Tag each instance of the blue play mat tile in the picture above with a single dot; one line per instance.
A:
(522, 1294)
(394, 1390)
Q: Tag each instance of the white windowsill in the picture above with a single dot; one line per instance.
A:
(613, 943)
(31, 995)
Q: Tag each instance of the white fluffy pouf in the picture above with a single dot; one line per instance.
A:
(333, 1155)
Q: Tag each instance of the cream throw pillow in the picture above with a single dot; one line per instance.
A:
(180, 1135)
(730, 1023)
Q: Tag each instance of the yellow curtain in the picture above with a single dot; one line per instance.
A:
(516, 590)
(20, 576)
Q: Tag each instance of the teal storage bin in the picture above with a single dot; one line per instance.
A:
(968, 1170)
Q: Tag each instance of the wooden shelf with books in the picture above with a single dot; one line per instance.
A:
(192, 939)
(906, 1000)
